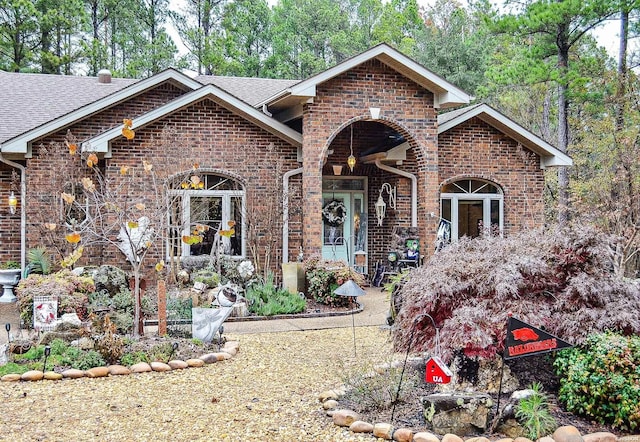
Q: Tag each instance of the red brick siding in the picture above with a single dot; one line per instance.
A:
(9, 224)
(476, 150)
(346, 99)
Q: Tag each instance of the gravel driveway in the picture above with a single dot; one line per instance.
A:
(267, 392)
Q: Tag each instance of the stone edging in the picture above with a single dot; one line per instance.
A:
(351, 420)
(229, 350)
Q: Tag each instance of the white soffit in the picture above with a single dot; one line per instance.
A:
(549, 155)
(101, 142)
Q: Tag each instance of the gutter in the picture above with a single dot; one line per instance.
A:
(285, 212)
(414, 188)
(23, 212)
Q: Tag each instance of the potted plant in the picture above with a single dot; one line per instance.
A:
(9, 277)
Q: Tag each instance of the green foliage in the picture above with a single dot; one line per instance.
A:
(119, 307)
(323, 277)
(88, 359)
(207, 276)
(12, 367)
(39, 261)
(71, 290)
(559, 279)
(14, 265)
(372, 390)
(265, 299)
(601, 381)
(534, 414)
(160, 352)
(129, 359)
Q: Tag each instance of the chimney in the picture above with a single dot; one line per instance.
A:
(104, 76)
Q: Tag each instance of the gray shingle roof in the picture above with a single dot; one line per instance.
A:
(250, 90)
(30, 100)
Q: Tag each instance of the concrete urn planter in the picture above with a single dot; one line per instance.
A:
(8, 280)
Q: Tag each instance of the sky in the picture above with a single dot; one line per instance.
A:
(607, 34)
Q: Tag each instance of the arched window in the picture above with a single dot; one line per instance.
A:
(215, 201)
(472, 207)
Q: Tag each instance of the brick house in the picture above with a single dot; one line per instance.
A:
(455, 172)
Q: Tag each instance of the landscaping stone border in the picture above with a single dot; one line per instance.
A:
(229, 350)
(386, 431)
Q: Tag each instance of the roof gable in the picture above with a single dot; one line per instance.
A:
(69, 110)
(101, 142)
(549, 155)
(445, 94)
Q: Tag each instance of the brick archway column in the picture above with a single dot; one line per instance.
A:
(313, 142)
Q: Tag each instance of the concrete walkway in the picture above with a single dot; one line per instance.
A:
(375, 307)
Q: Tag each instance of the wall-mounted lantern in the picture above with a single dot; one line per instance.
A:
(13, 203)
(381, 206)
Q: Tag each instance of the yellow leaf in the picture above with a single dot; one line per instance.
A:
(132, 224)
(195, 166)
(68, 198)
(195, 180)
(92, 160)
(128, 133)
(159, 266)
(73, 238)
(73, 148)
(51, 226)
(191, 239)
(124, 170)
(147, 166)
(231, 223)
(140, 206)
(127, 122)
(88, 185)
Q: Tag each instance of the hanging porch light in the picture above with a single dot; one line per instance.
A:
(381, 208)
(351, 161)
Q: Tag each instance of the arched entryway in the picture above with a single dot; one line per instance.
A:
(364, 207)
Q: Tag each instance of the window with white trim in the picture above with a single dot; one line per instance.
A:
(473, 207)
(218, 203)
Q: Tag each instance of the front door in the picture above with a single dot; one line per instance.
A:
(344, 225)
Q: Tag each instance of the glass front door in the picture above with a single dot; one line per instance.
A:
(344, 226)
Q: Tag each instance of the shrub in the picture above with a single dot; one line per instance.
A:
(323, 277)
(119, 307)
(207, 276)
(39, 261)
(266, 299)
(133, 358)
(560, 280)
(70, 289)
(534, 414)
(87, 360)
(600, 379)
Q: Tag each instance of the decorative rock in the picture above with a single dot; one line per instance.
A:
(344, 418)
(629, 438)
(508, 439)
(330, 413)
(403, 435)
(209, 358)
(160, 366)
(544, 439)
(360, 427)
(478, 439)
(11, 377)
(118, 370)
(566, 433)
(73, 373)
(600, 436)
(195, 362)
(425, 436)
(327, 395)
(451, 438)
(457, 413)
(32, 375)
(522, 439)
(232, 344)
(177, 364)
(510, 428)
(85, 343)
(383, 430)
(225, 355)
(330, 404)
(97, 372)
(141, 367)
(71, 319)
(52, 376)
(231, 350)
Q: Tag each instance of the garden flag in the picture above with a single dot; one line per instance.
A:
(526, 340)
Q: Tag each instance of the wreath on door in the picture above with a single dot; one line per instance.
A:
(334, 213)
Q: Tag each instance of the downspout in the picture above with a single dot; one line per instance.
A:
(414, 188)
(23, 212)
(285, 212)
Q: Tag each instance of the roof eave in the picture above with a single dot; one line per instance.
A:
(550, 156)
(20, 143)
(100, 143)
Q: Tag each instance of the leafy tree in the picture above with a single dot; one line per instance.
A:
(399, 25)
(18, 34)
(550, 29)
(61, 22)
